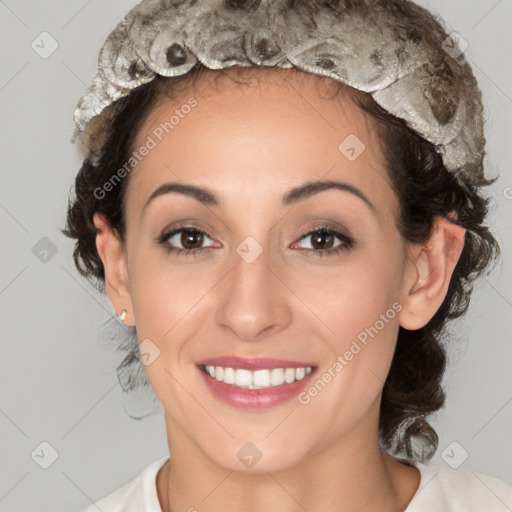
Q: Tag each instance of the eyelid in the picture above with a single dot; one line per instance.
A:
(327, 225)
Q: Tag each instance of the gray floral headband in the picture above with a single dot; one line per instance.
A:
(392, 49)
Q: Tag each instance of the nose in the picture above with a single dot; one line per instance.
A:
(254, 301)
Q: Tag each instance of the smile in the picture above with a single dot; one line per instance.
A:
(258, 379)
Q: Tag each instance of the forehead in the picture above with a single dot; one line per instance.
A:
(253, 131)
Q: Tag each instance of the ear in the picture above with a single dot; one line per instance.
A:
(429, 273)
(112, 255)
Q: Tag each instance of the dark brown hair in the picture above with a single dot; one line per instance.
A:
(424, 188)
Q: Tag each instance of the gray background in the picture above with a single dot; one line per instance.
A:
(57, 377)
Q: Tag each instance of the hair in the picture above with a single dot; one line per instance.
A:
(425, 190)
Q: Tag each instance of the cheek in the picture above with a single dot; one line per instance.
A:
(166, 302)
(357, 308)
(357, 354)
(163, 293)
(346, 299)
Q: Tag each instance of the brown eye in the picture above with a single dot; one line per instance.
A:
(323, 241)
(191, 238)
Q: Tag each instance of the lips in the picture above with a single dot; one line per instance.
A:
(255, 397)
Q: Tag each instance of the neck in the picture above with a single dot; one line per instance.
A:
(350, 475)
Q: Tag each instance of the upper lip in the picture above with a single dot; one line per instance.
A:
(252, 363)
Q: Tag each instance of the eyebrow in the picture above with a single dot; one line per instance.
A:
(293, 196)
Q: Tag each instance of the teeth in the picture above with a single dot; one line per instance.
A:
(229, 375)
(289, 375)
(261, 378)
(243, 378)
(257, 379)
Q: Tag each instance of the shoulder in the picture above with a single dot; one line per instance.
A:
(138, 495)
(444, 489)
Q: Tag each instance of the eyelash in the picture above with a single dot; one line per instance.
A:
(346, 245)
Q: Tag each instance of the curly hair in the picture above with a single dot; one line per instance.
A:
(424, 188)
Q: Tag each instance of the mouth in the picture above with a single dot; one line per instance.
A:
(255, 383)
(257, 379)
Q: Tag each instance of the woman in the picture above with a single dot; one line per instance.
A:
(283, 201)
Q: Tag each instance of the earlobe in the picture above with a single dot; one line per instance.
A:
(112, 256)
(430, 272)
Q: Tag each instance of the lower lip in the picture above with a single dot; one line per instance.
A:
(255, 399)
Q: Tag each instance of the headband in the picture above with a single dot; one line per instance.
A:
(392, 49)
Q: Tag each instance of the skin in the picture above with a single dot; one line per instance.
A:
(250, 144)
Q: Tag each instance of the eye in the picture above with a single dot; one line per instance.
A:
(322, 241)
(190, 239)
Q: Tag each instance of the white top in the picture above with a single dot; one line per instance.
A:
(442, 489)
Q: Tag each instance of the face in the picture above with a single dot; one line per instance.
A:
(251, 270)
